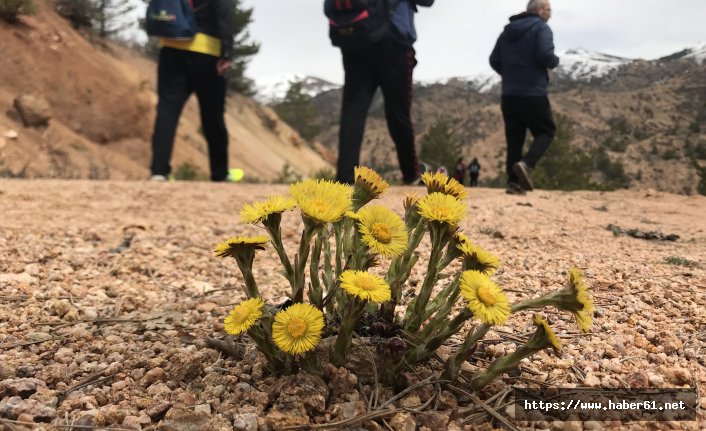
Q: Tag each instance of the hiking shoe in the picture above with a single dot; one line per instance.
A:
(235, 175)
(515, 189)
(523, 173)
(158, 178)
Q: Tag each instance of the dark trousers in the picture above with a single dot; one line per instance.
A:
(520, 114)
(388, 65)
(181, 73)
(474, 180)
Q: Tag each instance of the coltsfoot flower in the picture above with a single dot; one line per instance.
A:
(438, 207)
(322, 200)
(485, 299)
(442, 183)
(259, 211)
(382, 230)
(241, 245)
(366, 286)
(297, 329)
(243, 316)
(585, 309)
(540, 321)
(368, 185)
(478, 259)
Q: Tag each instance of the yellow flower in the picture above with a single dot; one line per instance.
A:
(259, 211)
(241, 245)
(297, 329)
(410, 201)
(583, 313)
(441, 183)
(322, 200)
(366, 286)
(368, 185)
(478, 259)
(541, 322)
(485, 299)
(382, 230)
(441, 208)
(243, 316)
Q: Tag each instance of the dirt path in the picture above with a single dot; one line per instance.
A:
(133, 260)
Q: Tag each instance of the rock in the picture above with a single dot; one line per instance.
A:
(179, 419)
(447, 401)
(64, 355)
(11, 135)
(433, 420)
(20, 387)
(34, 110)
(572, 426)
(678, 376)
(6, 371)
(403, 422)
(410, 401)
(592, 426)
(341, 381)
(158, 410)
(278, 420)
(245, 422)
(245, 393)
(14, 407)
(372, 426)
(205, 408)
(153, 375)
(299, 391)
(639, 379)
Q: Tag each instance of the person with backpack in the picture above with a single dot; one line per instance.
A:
(376, 38)
(474, 172)
(460, 170)
(522, 55)
(196, 51)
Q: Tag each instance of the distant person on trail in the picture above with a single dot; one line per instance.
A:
(196, 66)
(523, 53)
(388, 64)
(460, 170)
(473, 172)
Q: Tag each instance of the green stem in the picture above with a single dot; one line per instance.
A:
(443, 332)
(354, 309)
(446, 298)
(250, 284)
(300, 262)
(503, 365)
(453, 365)
(276, 236)
(315, 291)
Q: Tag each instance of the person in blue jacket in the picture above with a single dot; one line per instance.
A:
(522, 55)
(387, 64)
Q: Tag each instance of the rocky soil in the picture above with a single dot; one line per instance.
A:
(112, 306)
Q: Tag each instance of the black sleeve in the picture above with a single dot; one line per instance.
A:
(225, 23)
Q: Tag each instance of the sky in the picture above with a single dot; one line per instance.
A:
(456, 36)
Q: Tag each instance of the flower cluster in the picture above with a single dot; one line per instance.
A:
(354, 259)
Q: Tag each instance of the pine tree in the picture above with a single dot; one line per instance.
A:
(438, 146)
(107, 16)
(563, 167)
(297, 110)
(243, 50)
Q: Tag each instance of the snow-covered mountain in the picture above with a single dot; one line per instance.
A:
(584, 65)
(273, 88)
(575, 65)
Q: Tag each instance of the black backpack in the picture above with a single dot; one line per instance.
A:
(355, 24)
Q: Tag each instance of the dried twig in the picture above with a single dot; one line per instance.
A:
(379, 413)
(27, 343)
(427, 381)
(10, 422)
(485, 407)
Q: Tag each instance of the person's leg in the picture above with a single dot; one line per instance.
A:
(211, 92)
(395, 70)
(542, 127)
(173, 88)
(515, 133)
(358, 91)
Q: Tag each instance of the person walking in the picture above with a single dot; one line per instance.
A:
(474, 172)
(388, 64)
(196, 66)
(522, 55)
(460, 170)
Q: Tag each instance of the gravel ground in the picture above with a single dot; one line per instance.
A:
(109, 293)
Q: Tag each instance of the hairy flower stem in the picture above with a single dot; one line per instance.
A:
(453, 365)
(400, 269)
(444, 299)
(414, 320)
(503, 365)
(338, 234)
(328, 275)
(443, 331)
(250, 283)
(272, 224)
(274, 362)
(300, 261)
(354, 309)
(316, 295)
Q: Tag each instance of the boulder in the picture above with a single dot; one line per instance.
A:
(35, 111)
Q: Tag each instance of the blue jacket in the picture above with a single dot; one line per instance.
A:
(402, 17)
(523, 53)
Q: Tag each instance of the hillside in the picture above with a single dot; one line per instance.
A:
(649, 116)
(102, 99)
